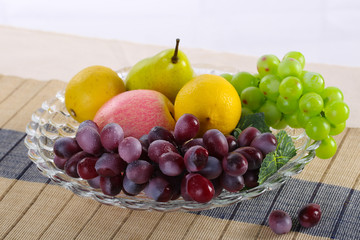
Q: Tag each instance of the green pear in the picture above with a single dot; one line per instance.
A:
(166, 72)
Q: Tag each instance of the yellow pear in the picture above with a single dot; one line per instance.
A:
(166, 72)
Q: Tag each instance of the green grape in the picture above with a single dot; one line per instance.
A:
(287, 106)
(302, 118)
(280, 125)
(296, 55)
(327, 148)
(313, 82)
(272, 113)
(227, 76)
(290, 88)
(257, 75)
(242, 80)
(311, 104)
(267, 64)
(337, 129)
(317, 128)
(252, 98)
(332, 94)
(303, 73)
(289, 67)
(269, 85)
(246, 111)
(292, 120)
(337, 112)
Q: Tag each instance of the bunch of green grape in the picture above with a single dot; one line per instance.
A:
(288, 95)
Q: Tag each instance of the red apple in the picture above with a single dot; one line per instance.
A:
(137, 111)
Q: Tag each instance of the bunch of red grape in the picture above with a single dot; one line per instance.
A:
(164, 164)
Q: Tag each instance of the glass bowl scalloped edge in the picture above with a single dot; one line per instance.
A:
(52, 121)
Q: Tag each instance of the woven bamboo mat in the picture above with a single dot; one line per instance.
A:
(31, 207)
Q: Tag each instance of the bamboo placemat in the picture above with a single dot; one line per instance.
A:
(31, 207)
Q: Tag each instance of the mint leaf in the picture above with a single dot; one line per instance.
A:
(256, 120)
(273, 161)
(285, 149)
(268, 167)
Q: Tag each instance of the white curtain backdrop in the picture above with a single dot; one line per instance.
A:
(325, 31)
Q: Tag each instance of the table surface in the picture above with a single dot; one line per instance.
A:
(36, 65)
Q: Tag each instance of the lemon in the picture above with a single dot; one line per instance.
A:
(213, 100)
(89, 89)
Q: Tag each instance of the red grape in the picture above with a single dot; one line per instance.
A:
(251, 178)
(86, 168)
(212, 169)
(159, 147)
(196, 158)
(130, 149)
(232, 183)
(175, 182)
(176, 192)
(144, 145)
(199, 188)
(186, 128)
(160, 133)
(280, 222)
(130, 188)
(65, 147)
(171, 164)
(191, 143)
(216, 143)
(309, 215)
(94, 182)
(184, 193)
(144, 140)
(159, 189)
(253, 156)
(59, 162)
(217, 186)
(89, 123)
(232, 142)
(110, 165)
(265, 142)
(247, 135)
(111, 135)
(89, 140)
(139, 171)
(111, 185)
(71, 164)
(235, 164)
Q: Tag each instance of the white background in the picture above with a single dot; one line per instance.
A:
(324, 31)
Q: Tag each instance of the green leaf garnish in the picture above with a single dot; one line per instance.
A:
(256, 120)
(236, 132)
(273, 161)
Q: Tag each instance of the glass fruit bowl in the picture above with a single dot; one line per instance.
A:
(52, 121)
